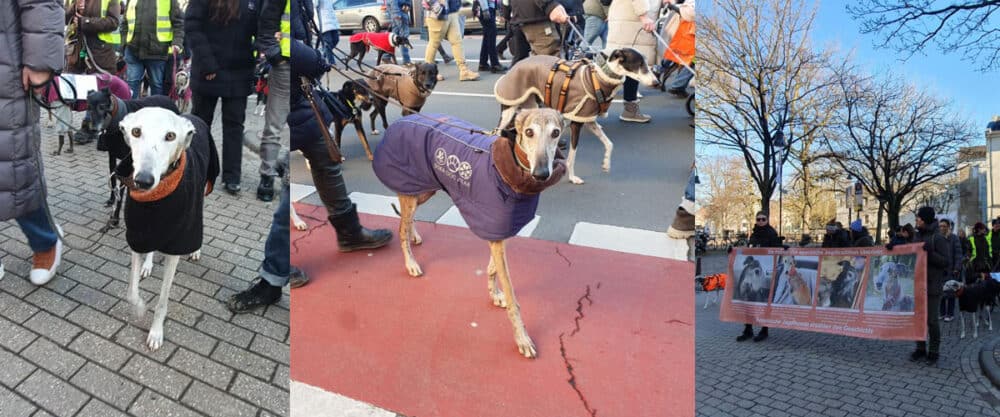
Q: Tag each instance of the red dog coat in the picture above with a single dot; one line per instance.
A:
(377, 40)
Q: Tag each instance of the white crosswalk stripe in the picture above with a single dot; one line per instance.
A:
(310, 401)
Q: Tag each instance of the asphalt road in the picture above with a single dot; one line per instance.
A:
(649, 166)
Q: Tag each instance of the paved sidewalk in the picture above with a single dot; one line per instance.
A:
(796, 373)
(71, 348)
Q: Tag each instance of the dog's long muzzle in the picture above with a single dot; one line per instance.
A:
(541, 172)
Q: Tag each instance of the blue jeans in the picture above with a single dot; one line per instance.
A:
(594, 28)
(41, 233)
(401, 27)
(682, 79)
(276, 265)
(137, 68)
(689, 190)
(330, 40)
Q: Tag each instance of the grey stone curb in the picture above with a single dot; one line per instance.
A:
(988, 362)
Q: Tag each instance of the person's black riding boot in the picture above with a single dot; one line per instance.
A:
(260, 294)
(747, 333)
(918, 355)
(265, 191)
(932, 359)
(352, 236)
(761, 335)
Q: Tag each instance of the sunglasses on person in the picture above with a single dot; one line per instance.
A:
(762, 219)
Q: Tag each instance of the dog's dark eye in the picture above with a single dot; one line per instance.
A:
(136, 132)
(529, 133)
(170, 136)
(555, 133)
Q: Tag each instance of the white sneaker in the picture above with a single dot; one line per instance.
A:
(45, 265)
(1, 270)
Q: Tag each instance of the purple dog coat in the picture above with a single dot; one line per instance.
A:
(418, 155)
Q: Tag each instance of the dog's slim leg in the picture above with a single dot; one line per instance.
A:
(155, 338)
(414, 236)
(147, 266)
(296, 220)
(373, 115)
(961, 323)
(111, 168)
(608, 146)
(132, 294)
(496, 293)
(524, 343)
(407, 206)
(571, 163)
(975, 324)
(358, 125)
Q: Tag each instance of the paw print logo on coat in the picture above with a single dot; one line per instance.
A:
(440, 155)
(453, 163)
(465, 170)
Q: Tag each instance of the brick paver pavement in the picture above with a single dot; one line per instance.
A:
(71, 348)
(796, 373)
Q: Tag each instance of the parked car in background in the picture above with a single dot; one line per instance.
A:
(366, 15)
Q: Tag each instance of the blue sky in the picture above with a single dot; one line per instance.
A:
(974, 93)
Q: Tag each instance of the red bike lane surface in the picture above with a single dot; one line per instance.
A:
(614, 331)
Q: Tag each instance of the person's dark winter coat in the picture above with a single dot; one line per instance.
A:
(95, 21)
(765, 237)
(308, 62)
(836, 239)
(268, 24)
(531, 11)
(938, 256)
(862, 239)
(980, 259)
(225, 50)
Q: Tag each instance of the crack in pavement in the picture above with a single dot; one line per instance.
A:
(579, 309)
(671, 321)
(562, 349)
(568, 263)
(309, 232)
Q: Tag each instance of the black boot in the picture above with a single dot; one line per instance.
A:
(918, 355)
(351, 236)
(265, 191)
(761, 335)
(260, 294)
(932, 359)
(747, 333)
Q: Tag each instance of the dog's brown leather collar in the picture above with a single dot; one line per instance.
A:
(168, 184)
(520, 179)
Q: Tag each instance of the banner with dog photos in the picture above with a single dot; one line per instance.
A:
(862, 292)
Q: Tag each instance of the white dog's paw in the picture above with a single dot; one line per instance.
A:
(155, 338)
(413, 268)
(195, 256)
(499, 300)
(300, 225)
(961, 335)
(376, 132)
(147, 267)
(415, 237)
(525, 345)
(606, 166)
(575, 180)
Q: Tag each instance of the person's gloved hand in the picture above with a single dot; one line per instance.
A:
(927, 246)
(889, 246)
(729, 250)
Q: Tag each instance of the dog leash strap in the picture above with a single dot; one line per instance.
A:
(331, 146)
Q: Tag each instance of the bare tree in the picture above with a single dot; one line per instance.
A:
(970, 27)
(725, 193)
(894, 138)
(763, 80)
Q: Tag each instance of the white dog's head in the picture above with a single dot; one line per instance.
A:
(887, 272)
(951, 287)
(538, 132)
(630, 63)
(158, 138)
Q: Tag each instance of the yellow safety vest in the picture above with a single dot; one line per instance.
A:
(164, 32)
(115, 37)
(286, 31)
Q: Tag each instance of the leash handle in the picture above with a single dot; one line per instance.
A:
(331, 146)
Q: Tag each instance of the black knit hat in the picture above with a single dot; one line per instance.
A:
(926, 214)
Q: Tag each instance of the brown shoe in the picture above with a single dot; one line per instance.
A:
(633, 114)
(297, 278)
(44, 264)
(683, 226)
(465, 74)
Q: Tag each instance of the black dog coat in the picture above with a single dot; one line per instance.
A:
(172, 224)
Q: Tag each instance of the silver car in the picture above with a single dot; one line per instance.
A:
(367, 15)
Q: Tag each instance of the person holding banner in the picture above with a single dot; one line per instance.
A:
(938, 261)
(994, 241)
(763, 236)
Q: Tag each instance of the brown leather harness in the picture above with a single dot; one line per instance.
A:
(603, 102)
